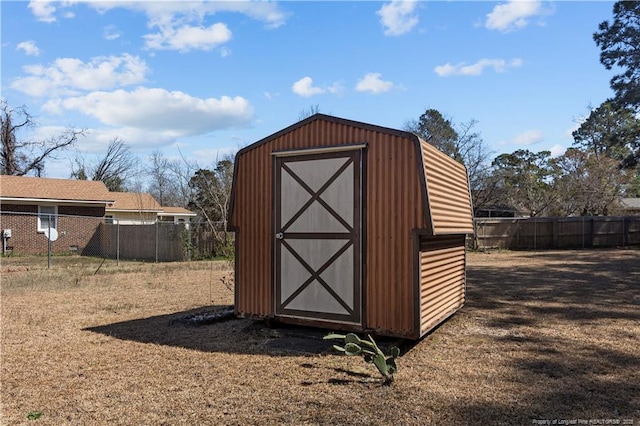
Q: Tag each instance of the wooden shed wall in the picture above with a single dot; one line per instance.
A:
(448, 193)
(393, 206)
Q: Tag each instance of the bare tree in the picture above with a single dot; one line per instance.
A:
(308, 112)
(160, 179)
(465, 145)
(168, 180)
(588, 185)
(21, 157)
(475, 154)
(115, 169)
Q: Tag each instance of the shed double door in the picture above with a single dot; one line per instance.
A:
(318, 236)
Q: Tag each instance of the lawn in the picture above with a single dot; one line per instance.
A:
(549, 335)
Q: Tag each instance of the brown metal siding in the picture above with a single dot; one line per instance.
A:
(448, 193)
(442, 279)
(394, 209)
(254, 239)
(393, 202)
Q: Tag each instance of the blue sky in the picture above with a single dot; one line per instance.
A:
(206, 78)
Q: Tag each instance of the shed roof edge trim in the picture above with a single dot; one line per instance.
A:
(319, 150)
(331, 119)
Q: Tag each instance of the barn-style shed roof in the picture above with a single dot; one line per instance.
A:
(443, 181)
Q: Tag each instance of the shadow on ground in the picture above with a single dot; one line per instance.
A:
(229, 334)
(586, 285)
(561, 329)
(568, 324)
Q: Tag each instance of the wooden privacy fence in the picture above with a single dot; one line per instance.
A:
(556, 232)
(210, 241)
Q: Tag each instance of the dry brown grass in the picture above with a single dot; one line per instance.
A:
(544, 335)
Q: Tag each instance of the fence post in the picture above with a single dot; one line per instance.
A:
(156, 241)
(118, 243)
(49, 242)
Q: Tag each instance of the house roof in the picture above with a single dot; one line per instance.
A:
(176, 211)
(631, 203)
(35, 189)
(133, 202)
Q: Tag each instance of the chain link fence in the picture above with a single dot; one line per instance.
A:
(52, 236)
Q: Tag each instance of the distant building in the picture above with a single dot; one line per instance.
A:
(132, 208)
(496, 211)
(630, 206)
(176, 215)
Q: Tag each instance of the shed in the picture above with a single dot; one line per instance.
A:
(349, 226)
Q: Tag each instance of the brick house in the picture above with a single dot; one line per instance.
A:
(31, 206)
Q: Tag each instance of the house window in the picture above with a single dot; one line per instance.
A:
(47, 218)
(108, 219)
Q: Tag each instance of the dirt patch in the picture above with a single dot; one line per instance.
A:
(207, 317)
(543, 336)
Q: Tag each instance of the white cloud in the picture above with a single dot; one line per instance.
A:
(462, 68)
(336, 88)
(29, 47)
(174, 113)
(530, 137)
(557, 150)
(212, 156)
(43, 10)
(110, 32)
(372, 82)
(270, 95)
(70, 75)
(569, 132)
(398, 17)
(97, 138)
(514, 15)
(304, 87)
(176, 25)
(268, 12)
(187, 38)
(224, 52)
